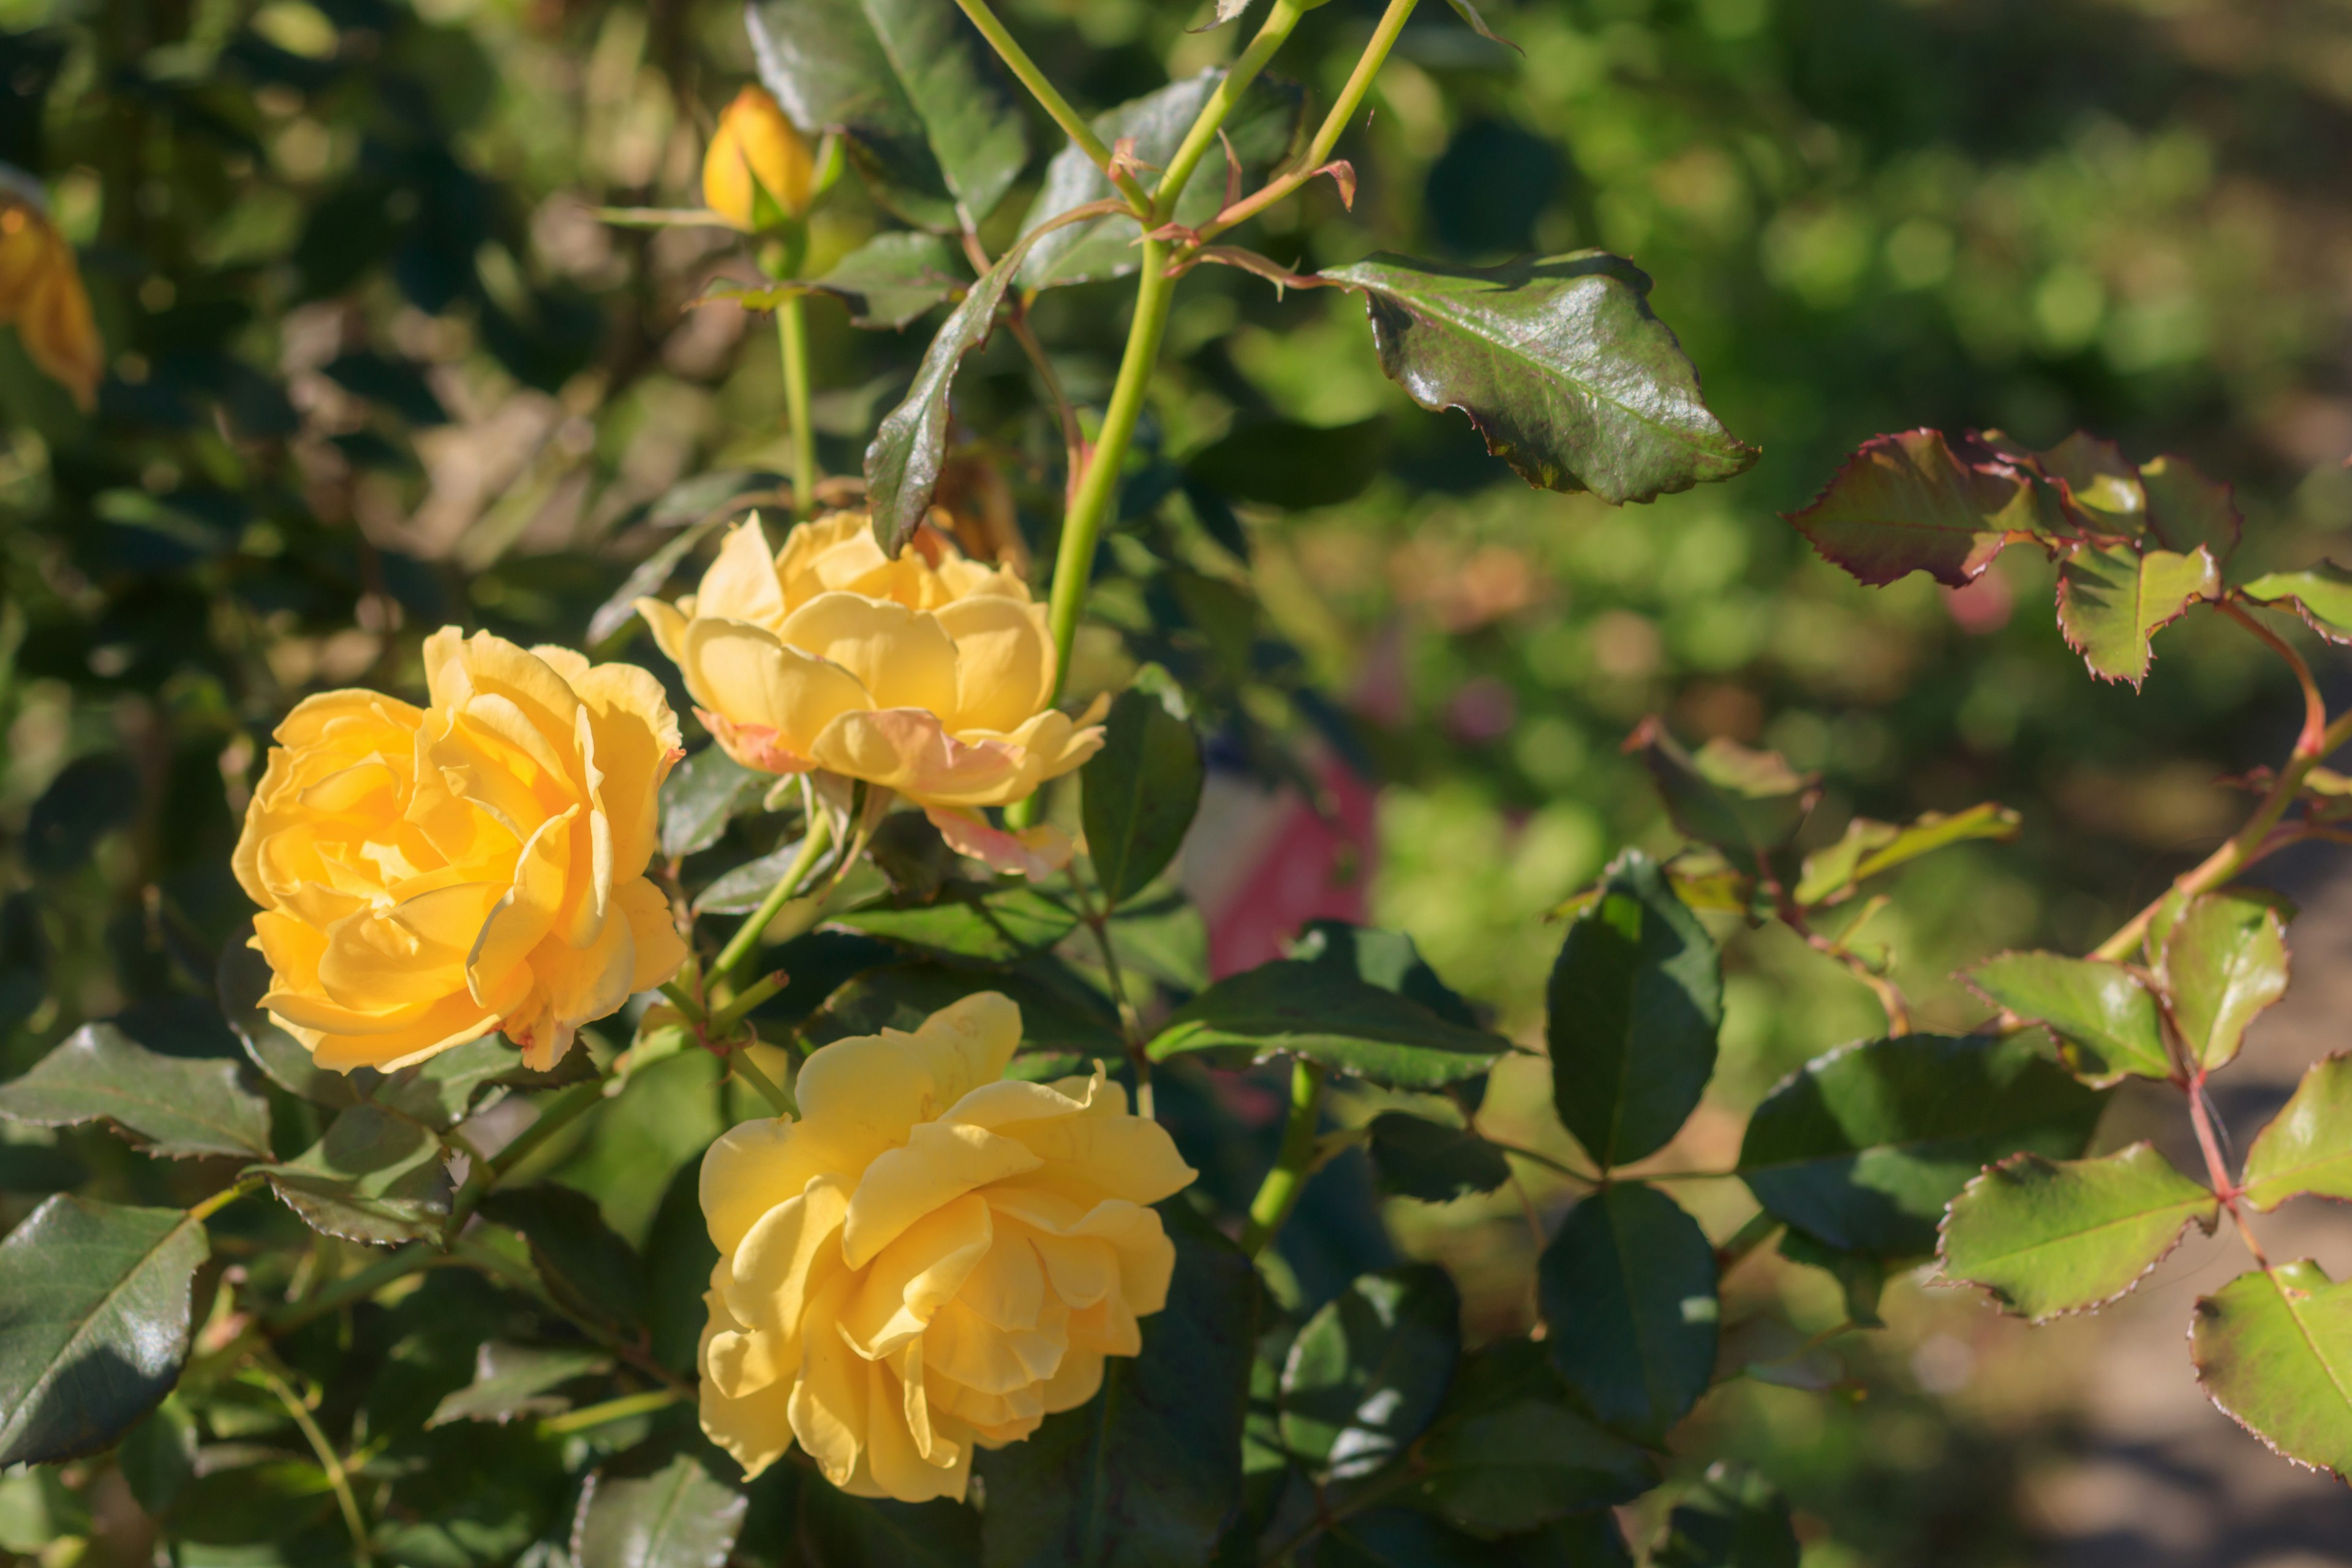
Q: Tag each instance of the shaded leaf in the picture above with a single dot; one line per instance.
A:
(2274, 1351)
(374, 1177)
(2047, 1237)
(1732, 1519)
(747, 887)
(1558, 362)
(1402, 1538)
(1058, 1012)
(587, 1266)
(1368, 1371)
(647, 578)
(701, 794)
(2321, 594)
(893, 277)
(2106, 1023)
(1141, 791)
(1869, 848)
(518, 1380)
(2112, 599)
(680, 1256)
(1387, 958)
(1919, 502)
(1745, 803)
(930, 129)
(880, 1532)
(679, 1516)
(2307, 1147)
(1322, 1012)
(1861, 1275)
(93, 1322)
(971, 923)
(1284, 463)
(176, 1106)
(2101, 488)
(242, 980)
(1469, 13)
(1627, 1287)
(2225, 960)
(2186, 509)
(1631, 1011)
(1863, 1146)
(1414, 1157)
(1504, 1463)
(444, 1089)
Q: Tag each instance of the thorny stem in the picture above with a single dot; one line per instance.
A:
(1072, 124)
(792, 337)
(1205, 125)
(328, 1460)
(1278, 1194)
(2217, 1170)
(746, 940)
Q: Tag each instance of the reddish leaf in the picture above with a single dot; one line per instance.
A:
(2186, 509)
(1917, 503)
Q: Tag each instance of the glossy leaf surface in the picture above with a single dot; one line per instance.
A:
(2307, 1147)
(1627, 1289)
(678, 1516)
(1322, 1012)
(2107, 1024)
(375, 1177)
(2321, 594)
(1919, 502)
(2225, 960)
(174, 1105)
(2274, 1351)
(2112, 599)
(1140, 791)
(512, 1381)
(2051, 1237)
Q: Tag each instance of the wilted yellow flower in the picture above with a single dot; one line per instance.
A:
(41, 293)
(755, 147)
(429, 875)
(932, 1257)
(931, 675)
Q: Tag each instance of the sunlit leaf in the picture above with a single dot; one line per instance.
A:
(2051, 1237)
(174, 1106)
(2108, 1022)
(1627, 1287)
(2112, 599)
(2225, 960)
(2273, 1350)
(1746, 804)
(632, 1515)
(2307, 1147)
(1324, 1013)
(376, 1177)
(1369, 1370)
(2321, 594)
(511, 1381)
(1869, 848)
(2101, 488)
(1919, 502)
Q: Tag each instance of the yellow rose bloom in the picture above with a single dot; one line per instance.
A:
(756, 148)
(41, 293)
(931, 675)
(428, 876)
(931, 1258)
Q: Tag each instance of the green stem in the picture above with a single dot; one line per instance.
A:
(611, 1410)
(554, 1117)
(225, 1196)
(792, 337)
(1082, 525)
(723, 1022)
(352, 1288)
(1212, 117)
(1278, 1194)
(774, 1092)
(1072, 124)
(330, 1461)
(746, 940)
(1547, 1161)
(1762, 1227)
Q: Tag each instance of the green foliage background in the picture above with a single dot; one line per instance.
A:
(374, 368)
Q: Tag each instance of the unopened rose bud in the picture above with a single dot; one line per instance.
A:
(756, 150)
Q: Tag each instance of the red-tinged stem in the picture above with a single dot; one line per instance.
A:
(2315, 706)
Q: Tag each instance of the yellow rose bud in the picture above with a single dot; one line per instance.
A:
(41, 293)
(931, 1258)
(428, 876)
(756, 149)
(931, 675)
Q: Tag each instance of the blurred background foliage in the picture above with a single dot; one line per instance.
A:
(373, 367)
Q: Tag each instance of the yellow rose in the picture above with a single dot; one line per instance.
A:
(755, 147)
(930, 1257)
(41, 293)
(429, 875)
(931, 675)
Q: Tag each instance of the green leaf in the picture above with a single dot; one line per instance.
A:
(1917, 502)
(747, 887)
(1560, 364)
(1402, 1538)
(175, 1106)
(444, 1089)
(1284, 463)
(1869, 848)
(1164, 939)
(2321, 594)
(2102, 489)
(931, 129)
(2275, 1352)
(1141, 791)
(1503, 1462)
(1058, 1012)
(635, 1516)
(2112, 599)
(1260, 128)
(1746, 804)
(1861, 1275)
(893, 277)
(2307, 1147)
(879, 1533)
(971, 924)
(1321, 1011)
(700, 797)
(1387, 958)
(2048, 1237)
(588, 1267)
(2225, 960)
(1634, 1002)
(680, 1256)
(1368, 1371)
(2106, 1023)
(1733, 1519)
(93, 1322)
(2186, 509)
(1146, 1473)
(518, 1380)
(1627, 1289)
(158, 1457)
(376, 1177)
(242, 980)
(1469, 13)
(1863, 1146)
(1414, 1157)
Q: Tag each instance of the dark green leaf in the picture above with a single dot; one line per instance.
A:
(2105, 1021)
(930, 129)
(1560, 364)
(1634, 1002)
(1145, 1474)
(878, 1532)
(1388, 959)
(2274, 1351)
(1058, 1012)
(1733, 1519)
(680, 1256)
(679, 1516)
(2047, 1237)
(893, 277)
(2307, 1147)
(1863, 1147)
(1746, 804)
(1861, 1275)
(158, 1457)
(518, 1380)
(747, 887)
(1322, 1012)
(701, 794)
(908, 850)
(1870, 848)
(1141, 790)
(442, 1090)
(1368, 1371)
(2225, 960)
(1627, 1287)
(1525, 1463)
(587, 1266)
(1164, 939)
(1414, 1157)
(971, 925)
(174, 1105)
(2186, 509)
(93, 1322)
(648, 577)
(375, 1177)
(1917, 502)
(2112, 599)
(1401, 1538)
(1280, 462)
(2321, 594)
(91, 797)
(242, 980)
